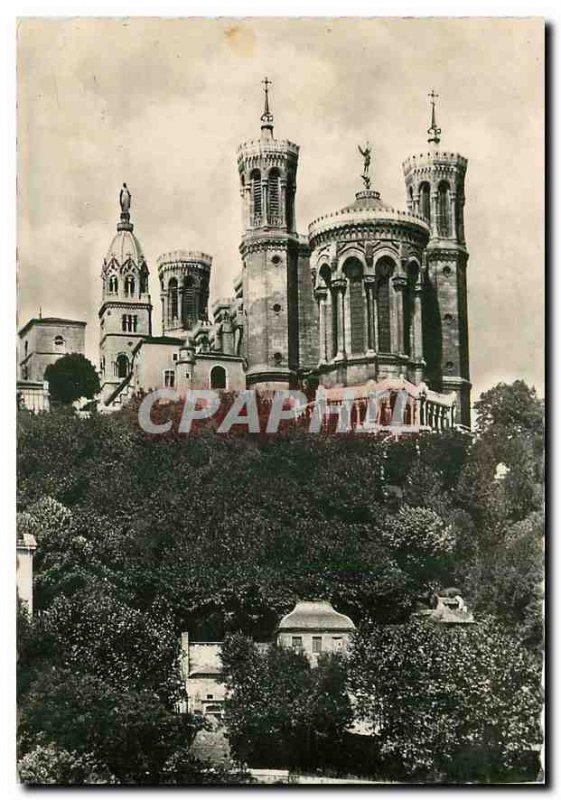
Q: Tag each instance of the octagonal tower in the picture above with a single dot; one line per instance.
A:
(434, 182)
(271, 251)
(184, 285)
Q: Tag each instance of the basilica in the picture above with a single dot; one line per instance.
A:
(372, 294)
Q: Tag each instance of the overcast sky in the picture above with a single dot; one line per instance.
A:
(163, 105)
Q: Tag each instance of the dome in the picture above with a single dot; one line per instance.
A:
(366, 210)
(124, 246)
(367, 200)
(315, 615)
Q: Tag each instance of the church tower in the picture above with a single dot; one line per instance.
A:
(435, 189)
(125, 314)
(273, 257)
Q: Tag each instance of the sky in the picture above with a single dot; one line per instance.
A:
(164, 103)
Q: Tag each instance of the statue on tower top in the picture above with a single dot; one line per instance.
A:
(434, 131)
(266, 116)
(365, 152)
(125, 199)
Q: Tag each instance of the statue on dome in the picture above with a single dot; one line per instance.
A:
(125, 199)
(366, 154)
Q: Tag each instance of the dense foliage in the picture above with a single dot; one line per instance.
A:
(280, 710)
(448, 702)
(71, 377)
(141, 537)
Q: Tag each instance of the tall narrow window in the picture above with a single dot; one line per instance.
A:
(124, 322)
(353, 270)
(113, 284)
(169, 378)
(256, 198)
(134, 323)
(129, 285)
(384, 269)
(424, 200)
(122, 365)
(172, 290)
(274, 197)
(443, 218)
(316, 644)
(189, 302)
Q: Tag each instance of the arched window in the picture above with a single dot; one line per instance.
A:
(354, 272)
(443, 209)
(256, 198)
(424, 201)
(129, 285)
(218, 378)
(122, 365)
(173, 304)
(189, 302)
(384, 269)
(113, 284)
(59, 344)
(274, 197)
(411, 198)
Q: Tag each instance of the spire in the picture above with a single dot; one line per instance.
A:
(125, 201)
(266, 116)
(434, 132)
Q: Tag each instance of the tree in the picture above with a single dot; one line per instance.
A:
(72, 376)
(514, 408)
(130, 733)
(448, 702)
(280, 711)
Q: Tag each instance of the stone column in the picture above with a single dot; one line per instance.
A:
(417, 323)
(370, 288)
(180, 309)
(282, 202)
(453, 232)
(399, 284)
(264, 202)
(339, 287)
(433, 212)
(164, 310)
(321, 297)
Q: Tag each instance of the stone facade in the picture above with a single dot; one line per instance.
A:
(43, 340)
(371, 294)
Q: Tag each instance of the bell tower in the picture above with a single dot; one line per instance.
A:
(125, 314)
(434, 182)
(271, 252)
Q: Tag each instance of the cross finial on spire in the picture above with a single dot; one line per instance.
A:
(266, 116)
(434, 131)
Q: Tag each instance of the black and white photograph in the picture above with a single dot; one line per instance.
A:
(280, 401)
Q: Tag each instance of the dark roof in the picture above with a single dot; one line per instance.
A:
(315, 615)
(51, 321)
